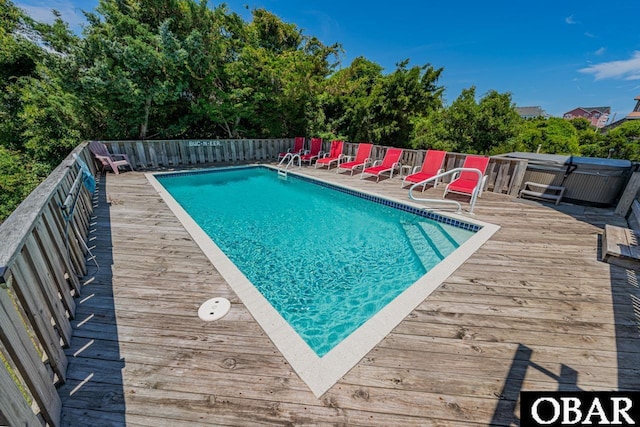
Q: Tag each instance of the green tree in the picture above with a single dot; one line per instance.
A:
(19, 57)
(460, 121)
(18, 177)
(132, 66)
(484, 127)
(553, 135)
(41, 120)
(622, 142)
(274, 83)
(346, 101)
(429, 132)
(367, 105)
(581, 124)
(50, 118)
(497, 122)
(399, 98)
(588, 135)
(177, 68)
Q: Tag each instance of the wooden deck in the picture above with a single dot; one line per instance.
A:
(533, 309)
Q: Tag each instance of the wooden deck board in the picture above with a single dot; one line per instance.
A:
(533, 309)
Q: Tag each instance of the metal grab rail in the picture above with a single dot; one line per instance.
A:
(291, 157)
(474, 195)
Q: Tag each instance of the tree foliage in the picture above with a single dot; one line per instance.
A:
(469, 126)
(362, 104)
(129, 62)
(19, 58)
(497, 122)
(199, 71)
(39, 116)
(622, 142)
(18, 177)
(553, 135)
(346, 100)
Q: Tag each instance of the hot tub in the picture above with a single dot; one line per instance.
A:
(587, 180)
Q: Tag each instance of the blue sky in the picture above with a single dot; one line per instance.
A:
(555, 54)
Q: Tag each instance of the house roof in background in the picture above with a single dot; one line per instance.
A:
(635, 114)
(531, 111)
(606, 110)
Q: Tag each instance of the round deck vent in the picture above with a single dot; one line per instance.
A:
(214, 309)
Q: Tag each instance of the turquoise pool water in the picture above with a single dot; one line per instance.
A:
(325, 259)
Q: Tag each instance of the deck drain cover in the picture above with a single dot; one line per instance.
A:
(214, 309)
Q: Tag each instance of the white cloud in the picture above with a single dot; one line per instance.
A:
(42, 11)
(39, 13)
(588, 34)
(600, 51)
(569, 20)
(625, 70)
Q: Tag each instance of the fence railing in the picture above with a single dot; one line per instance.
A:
(42, 256)
(504, 175)
(185, 153)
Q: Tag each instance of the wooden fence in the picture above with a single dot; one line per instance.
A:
(186, 153)
(42, 256)
(504, 175)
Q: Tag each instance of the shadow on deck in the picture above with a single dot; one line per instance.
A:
(94, 391)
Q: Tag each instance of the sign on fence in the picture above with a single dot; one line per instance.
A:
(207, 143)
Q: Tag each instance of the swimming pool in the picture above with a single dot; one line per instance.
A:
(327, 259)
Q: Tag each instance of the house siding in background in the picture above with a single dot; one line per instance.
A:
(598, 116)
(634, 115)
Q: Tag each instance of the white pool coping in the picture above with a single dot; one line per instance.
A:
(321, 373)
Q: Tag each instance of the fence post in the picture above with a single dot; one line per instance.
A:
(518, 177)
(629, 195)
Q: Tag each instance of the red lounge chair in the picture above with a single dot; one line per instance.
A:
(432, 166)
(298, 147)
(362, 158)
(107, 159)
(468, 183)
(334, 155)
(314, 152)
(390, 162)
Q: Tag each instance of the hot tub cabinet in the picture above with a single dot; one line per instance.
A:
(584, 180)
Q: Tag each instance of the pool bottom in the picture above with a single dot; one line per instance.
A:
(321, 373)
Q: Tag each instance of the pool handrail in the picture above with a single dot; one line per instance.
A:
(292, 157)
(474, 195)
